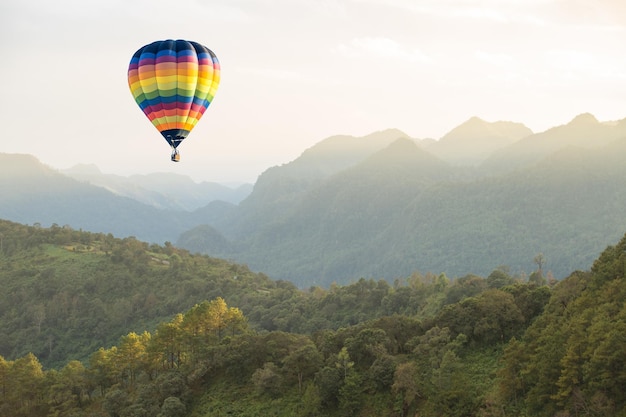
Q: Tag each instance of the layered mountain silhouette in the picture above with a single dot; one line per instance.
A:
(584, 132)
(161, 190)
(475, 140)
(419, 205)
(381, 206)
(35, 193)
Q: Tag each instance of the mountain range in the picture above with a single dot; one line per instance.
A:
(149, 207)
(382, 206)
(412, 205)
(161, 190)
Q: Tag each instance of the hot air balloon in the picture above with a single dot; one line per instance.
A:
(173, 82)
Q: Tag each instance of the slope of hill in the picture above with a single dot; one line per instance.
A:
(334, 221)
(473, 347)
(571, 359)
(388, 216)
(280, 189)
(67, 292)
(566, 207)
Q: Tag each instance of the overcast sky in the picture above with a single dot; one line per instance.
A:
(297, 71)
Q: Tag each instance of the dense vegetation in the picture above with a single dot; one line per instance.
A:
(68, 292)
(249, 346)
(402, 209)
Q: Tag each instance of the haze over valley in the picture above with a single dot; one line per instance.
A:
(486, 194)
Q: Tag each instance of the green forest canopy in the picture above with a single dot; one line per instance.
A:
(495, 346)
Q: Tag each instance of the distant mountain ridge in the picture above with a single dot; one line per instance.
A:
(161, 190)
(34, 193)
(403, 209)
(383, 205)
(475, 140)
(584, 131)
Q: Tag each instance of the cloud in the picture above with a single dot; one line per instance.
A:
(380, 47)
(496, 11)
(498, 60)
(577, 64)
(138, 9)
(272, 73)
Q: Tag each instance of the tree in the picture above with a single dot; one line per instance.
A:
(328, 380)
(25, 390)
(530, 299)
(5, 385)
(351, 393)
(510, 386)
(217, 316)
(267, 380)
(4, 378)
(441, 283)
(537, 277)
(571, 375)
(499, 278)
(311, 401)
(102, 368)
(204, 324)
(68, 389)
(381, 372)
(368, 345)
(131, 355)
(540, 260)
(172, 383)
(172, 407)
(115, 401)
(303, 362)
(405, 385)
(343, 361)
(454, 393)
(167, 343)
(38, 312)
(433, 344)
(497, 317)
(235, 321)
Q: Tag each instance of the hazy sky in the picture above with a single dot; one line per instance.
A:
(297, 71)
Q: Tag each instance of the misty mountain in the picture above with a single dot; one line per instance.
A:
(584, 131)
(335, 220)
(475, 140)
(34, 193)
(402, 209)
(279, 189)
(381, 206)
(161, 190)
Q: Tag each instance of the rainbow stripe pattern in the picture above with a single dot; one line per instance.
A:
(174, 82)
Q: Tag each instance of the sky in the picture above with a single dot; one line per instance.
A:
(294, 72)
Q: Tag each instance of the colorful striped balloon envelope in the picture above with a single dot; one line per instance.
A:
(174, 82)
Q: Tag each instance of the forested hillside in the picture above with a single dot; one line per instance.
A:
(403, 209)
(571, 360)
(68, 292)
(379, 206)
(499, 345)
